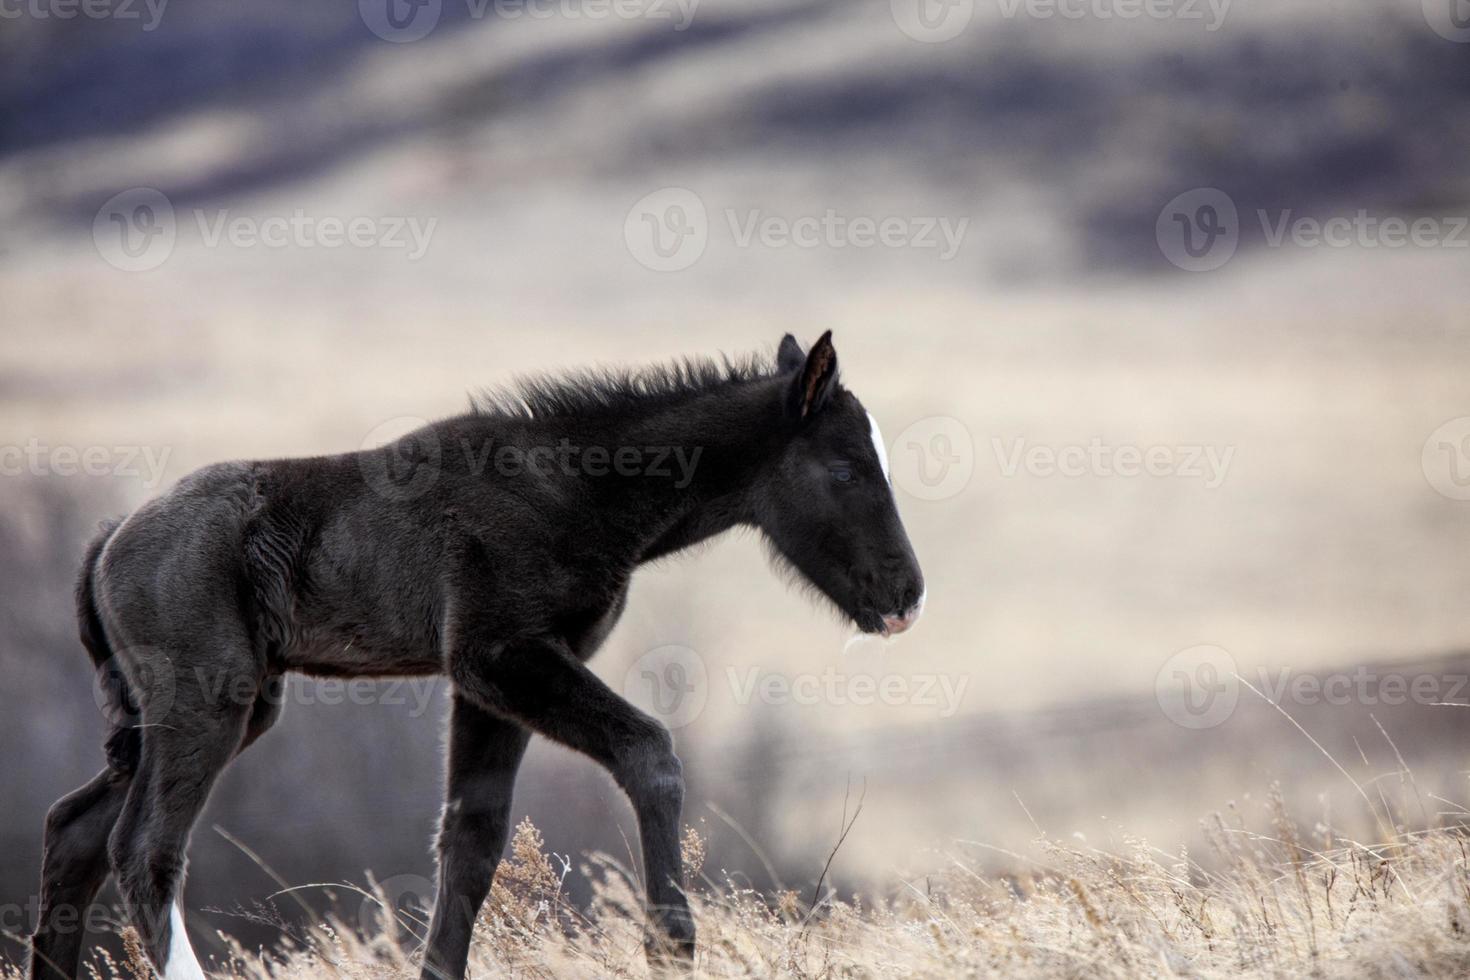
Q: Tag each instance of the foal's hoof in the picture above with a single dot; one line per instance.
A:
(669, 955)
(669, 943)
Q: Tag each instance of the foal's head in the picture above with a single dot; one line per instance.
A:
(827, 505)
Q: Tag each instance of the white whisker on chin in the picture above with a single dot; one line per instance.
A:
(860, 643)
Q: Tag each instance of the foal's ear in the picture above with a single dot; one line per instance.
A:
(816, 380)
(789, 355)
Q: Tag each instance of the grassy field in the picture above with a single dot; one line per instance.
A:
(1285, 900)
(1381, 889)
(1327, 552)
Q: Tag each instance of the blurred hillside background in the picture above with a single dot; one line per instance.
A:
(542, 185)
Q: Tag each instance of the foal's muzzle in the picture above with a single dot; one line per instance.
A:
(901, 621)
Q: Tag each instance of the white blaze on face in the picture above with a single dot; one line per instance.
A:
(879, 447)
(182, 964)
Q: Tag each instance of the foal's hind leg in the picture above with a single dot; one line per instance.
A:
(184, 751)
(484, 753)
(73, 868)
(74, 864)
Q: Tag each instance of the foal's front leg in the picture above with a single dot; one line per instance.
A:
(538, 682)
(484, 753)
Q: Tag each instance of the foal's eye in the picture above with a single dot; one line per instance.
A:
(842, 474)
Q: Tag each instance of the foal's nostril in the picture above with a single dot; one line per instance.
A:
(909, 598)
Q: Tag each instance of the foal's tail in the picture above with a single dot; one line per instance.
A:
(125, 742)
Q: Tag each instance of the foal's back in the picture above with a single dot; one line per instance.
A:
(345, 565)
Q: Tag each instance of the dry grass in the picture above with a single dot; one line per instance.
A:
(1272, 904)
(1381, 891)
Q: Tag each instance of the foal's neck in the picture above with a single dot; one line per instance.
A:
(724, 436)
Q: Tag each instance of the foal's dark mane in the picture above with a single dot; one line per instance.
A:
(615, 390)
